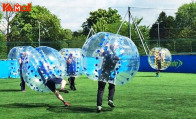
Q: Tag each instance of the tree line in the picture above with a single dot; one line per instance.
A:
(23, 28)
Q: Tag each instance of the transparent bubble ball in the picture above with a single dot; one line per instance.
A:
(31, 73)
(159, 58)
(73, 59)
(14, 55)
(110, 58)
(15, 52)
(54, 59)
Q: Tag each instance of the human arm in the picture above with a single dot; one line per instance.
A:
(20, 61)
(69, 60)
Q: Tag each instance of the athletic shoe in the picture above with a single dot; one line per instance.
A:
(74, 88)
(110, 103)
(64, 90)
(71, 87)
(66, 104)
(99, 109)
(23, 91)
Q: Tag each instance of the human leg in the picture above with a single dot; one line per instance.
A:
(101, 87)
(73, 83)
(61, 98)
(70, 83)
(22, 83)
(157, 73)
(62, 88)
(51, 85)
(111, 91)
(63, 83)
(159, 69)
(111, 94)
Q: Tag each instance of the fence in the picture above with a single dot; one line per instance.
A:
(5, 47)
(175, 46)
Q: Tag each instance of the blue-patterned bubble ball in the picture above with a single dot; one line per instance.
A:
(36, 71)
(110, 58)
(72, 57)
(16, 51)
(54, 59)
(14, 55)
(159, 58)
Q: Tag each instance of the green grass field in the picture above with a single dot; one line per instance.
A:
(173, 95)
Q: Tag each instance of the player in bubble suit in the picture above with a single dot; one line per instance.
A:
(71, 70)
(21, 59)
(158, 63)
(52, 81)
(106, 75)
(159, 59)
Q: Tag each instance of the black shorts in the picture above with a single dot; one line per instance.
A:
(51, 83)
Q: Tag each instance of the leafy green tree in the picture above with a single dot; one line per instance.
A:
(3, 47)
(167, 31)
(101, 25)
(68, 34)
(77, 41)
(7, 16)
(25, 27)
(113, 28)
(170, 28)
(77, 33)
(186, 20)
(166, 27)
(99, 19)
(1, 14)
(124, 31)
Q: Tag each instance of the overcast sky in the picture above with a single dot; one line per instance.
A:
(74, 12)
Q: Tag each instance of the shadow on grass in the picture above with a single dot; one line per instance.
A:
(57, 109)
(10, 90)
(77, 109)
(25, 105)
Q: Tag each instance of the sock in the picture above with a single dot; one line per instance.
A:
(63, 101)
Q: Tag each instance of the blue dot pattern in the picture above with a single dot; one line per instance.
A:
(110, 58)
(14, 56)
(35, 71)
(73, 60)
(54, 59)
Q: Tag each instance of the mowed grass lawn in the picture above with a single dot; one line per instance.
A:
(173, 95)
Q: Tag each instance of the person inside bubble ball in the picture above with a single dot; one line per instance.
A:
(51, 81)
(21, 59)
(158, 63)
(107, 74)
(71, 70)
